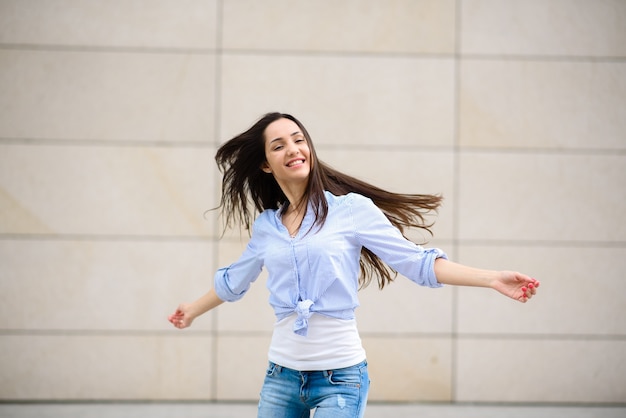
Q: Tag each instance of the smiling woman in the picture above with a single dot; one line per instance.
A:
(321, 235)
(288, 159)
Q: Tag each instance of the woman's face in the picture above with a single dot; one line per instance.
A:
(287, 153)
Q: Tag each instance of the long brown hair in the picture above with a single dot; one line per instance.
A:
(247, 190)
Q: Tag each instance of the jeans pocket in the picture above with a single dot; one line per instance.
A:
(350, 376)
(272, 369)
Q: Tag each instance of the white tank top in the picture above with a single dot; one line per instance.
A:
(330, 344)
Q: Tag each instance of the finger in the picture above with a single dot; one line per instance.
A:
(532, 288)
(525, 293)
(534, 282)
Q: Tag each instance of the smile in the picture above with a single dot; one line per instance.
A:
(295, 162)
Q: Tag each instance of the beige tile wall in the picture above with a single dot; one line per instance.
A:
(110, 114)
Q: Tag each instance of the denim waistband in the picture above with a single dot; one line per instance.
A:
(280, 368)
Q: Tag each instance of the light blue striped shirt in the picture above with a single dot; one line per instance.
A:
(317, 271)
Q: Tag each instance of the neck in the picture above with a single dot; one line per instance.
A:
(295, 195)
(295, 206)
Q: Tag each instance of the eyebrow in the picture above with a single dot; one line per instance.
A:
(292, 135)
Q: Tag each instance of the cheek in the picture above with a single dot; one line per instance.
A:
(310, 158)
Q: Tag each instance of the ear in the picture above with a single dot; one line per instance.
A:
(266, 167)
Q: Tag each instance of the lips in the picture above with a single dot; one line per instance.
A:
(295, 162)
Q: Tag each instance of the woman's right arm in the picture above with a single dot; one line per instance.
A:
(187, 312)
(231, 283)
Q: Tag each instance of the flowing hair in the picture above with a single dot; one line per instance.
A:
(247, 191)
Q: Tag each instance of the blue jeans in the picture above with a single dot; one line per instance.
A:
(339, 393)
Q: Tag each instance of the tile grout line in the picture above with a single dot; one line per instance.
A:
(217, 111)
(140, 143)
(310, 53)
(97, 237)
(78, 333)
(399, 335)
(455, 196)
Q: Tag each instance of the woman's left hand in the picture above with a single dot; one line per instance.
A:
(515, 285)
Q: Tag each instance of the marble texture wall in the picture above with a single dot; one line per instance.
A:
(111, 112)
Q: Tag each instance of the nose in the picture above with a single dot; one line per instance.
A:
(292, 149)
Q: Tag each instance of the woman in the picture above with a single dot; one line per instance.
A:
(317, 229)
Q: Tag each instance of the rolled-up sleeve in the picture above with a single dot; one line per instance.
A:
(376, 233)
(231, 283)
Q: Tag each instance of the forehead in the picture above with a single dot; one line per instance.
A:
(281, 128)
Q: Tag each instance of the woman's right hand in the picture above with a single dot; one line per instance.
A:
(187, 312)
(181, 318)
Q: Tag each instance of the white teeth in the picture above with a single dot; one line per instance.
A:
(291, 164)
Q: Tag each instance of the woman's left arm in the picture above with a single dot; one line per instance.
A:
(515, 285)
